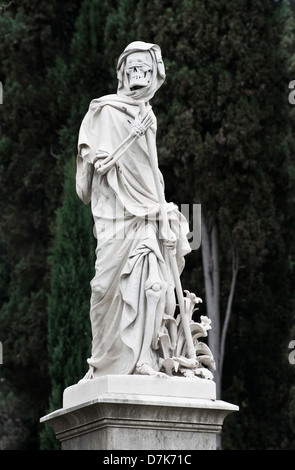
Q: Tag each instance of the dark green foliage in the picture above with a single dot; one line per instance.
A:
(29, 186)
(120, 30)
(261, 376)
(219, 131)
(15, 419)
(224, 140)
(72, 262)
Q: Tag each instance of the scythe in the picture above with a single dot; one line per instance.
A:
(169, 252)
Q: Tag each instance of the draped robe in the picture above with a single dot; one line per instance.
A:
(126, 315)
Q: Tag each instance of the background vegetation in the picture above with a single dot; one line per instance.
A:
(225, 140)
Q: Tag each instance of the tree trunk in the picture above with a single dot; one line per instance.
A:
(235, 269)
(209, 248)
(216, 337)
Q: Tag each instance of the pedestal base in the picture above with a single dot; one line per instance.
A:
(140, 413)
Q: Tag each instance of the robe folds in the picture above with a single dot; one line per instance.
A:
(126, 314)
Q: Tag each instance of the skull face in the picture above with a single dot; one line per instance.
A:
(139, 69)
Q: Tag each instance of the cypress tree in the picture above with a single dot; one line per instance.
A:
(81, 76)
(223, 142)
(27, 192)
(30, 186)
(120, 30)
(287, 52)
(72, 262)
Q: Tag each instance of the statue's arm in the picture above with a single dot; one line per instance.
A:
(103, 162)
(84, 174)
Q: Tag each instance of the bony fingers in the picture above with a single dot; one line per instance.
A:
(100, 169)
(137, 129)
(147, 123)
(147, 116)
(170, 244)
(140, 130)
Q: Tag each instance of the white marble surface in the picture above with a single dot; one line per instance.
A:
(141, 238)
(134, 412)
(139, 386)
(115, 420)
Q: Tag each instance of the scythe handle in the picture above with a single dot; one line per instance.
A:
(172, 258)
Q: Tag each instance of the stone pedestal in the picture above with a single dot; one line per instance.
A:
(119, 412)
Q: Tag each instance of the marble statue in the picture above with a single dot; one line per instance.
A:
(141, 239)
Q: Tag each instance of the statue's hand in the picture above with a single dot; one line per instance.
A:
(170, 240)
(140, 126)
(100, 168)
(137, 129)
(103, 161)
(100, 162)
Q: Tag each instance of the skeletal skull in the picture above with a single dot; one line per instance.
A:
(139, 69)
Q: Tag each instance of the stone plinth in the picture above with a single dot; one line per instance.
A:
(119, 412)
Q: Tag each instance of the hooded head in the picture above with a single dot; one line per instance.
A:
(140, 71)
